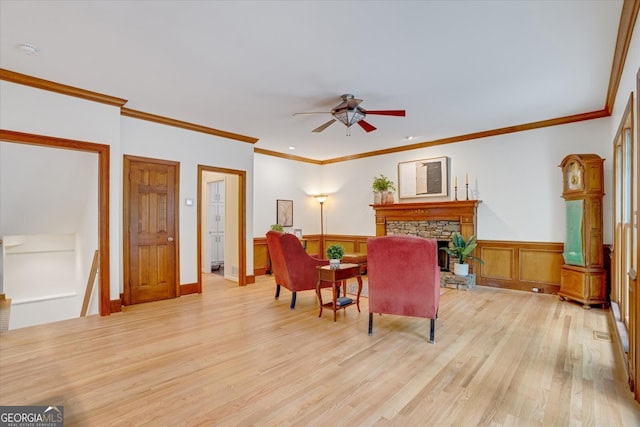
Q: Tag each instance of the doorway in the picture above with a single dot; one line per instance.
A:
(221, 224)
(102, 191)
(216, 224)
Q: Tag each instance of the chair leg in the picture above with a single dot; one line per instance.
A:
(370, 323)
(432, 332)
(277, 291)
(293, 300)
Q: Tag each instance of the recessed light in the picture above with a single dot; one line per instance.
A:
(29, 49)
(408, 138)
(291, 147)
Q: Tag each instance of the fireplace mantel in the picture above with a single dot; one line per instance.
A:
(462, 211)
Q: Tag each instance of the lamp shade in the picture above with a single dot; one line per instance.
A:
(321, 198)
(349, 116)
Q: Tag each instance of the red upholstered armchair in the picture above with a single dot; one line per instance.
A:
(292, 267)
(404, 278)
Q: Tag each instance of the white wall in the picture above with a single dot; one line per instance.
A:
(148, 139)
(31, 189)
(35, 111)
(26, 109)
(516, 176)
(283, 179)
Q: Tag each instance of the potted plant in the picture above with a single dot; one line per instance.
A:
(461, 250)
(277, 227)
(335, 253)
(383, 189)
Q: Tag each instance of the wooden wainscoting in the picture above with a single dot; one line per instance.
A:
(311, 242)
(351, 244)
(508, 264)
(519, 265)
(261, 263)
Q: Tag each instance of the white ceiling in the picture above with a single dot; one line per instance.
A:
(245, 67)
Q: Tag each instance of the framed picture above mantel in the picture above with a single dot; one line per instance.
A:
(423, 178)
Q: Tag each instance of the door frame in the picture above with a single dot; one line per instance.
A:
(242, 221)
(102, 150)
(126, 188)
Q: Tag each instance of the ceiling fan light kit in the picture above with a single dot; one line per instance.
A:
(349, 113)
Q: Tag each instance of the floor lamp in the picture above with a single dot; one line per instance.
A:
(321, 199)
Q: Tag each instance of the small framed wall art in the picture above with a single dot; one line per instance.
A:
(423, 178)
(284, 212)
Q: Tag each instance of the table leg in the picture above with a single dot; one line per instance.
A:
(359, 291)
(319, 297)
(335, 298)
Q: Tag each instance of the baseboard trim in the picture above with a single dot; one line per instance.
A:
(115, 305)
(190, 288)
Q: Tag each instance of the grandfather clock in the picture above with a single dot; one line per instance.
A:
(583, 276)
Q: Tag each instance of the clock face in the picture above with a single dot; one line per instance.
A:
(574, 177)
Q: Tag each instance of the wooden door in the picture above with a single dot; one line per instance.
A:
(151, 221)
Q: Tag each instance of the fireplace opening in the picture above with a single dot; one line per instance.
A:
(443, 256)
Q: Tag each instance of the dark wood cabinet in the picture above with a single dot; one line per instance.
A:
(583, 276)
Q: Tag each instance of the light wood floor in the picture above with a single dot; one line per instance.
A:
(237, 357)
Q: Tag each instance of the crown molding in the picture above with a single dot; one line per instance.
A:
(286, 156)
(127, 112)
(23, 79)
(628, 18)
(477, 135)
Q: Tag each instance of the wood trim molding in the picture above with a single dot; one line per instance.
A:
(103, 199)
(115, 306)
(188, 289)
(127, 112)
(449, 140)
(462, 211)
(286, 156)
(628, 18)
(23, 79)
(476, 135)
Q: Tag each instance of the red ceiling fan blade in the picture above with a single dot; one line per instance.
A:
(324, 126)
(368, 127)
(400, 113)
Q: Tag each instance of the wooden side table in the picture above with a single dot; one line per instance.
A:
(338, 277)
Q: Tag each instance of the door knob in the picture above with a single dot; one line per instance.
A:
(170, 239)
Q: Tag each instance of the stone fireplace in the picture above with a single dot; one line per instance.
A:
(440, 230)
(434, 220)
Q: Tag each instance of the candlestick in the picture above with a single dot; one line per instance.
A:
(456, 191)
(467, 185)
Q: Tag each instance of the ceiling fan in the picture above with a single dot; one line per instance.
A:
(349, 113)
